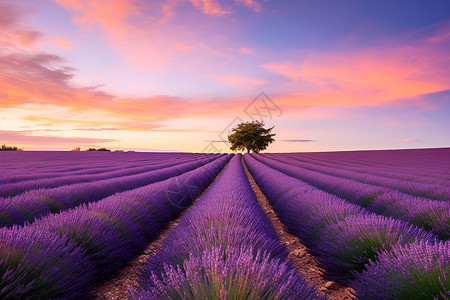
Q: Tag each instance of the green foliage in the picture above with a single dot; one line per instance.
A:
(251, 136)
(99, 149)
(10, 148)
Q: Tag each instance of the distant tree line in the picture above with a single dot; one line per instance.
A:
(10, 148)
(93, 149)
(99, 149)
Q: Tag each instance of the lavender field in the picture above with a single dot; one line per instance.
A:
(377, 223)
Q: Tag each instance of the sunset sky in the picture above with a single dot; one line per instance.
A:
(175, 75)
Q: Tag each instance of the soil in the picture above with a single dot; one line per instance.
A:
(304, 262)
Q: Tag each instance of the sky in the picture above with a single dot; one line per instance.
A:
(179, 74)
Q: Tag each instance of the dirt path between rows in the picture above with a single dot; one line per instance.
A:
(304, 263)
(116, 287)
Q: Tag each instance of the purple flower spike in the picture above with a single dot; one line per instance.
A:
(345, 247)
(414, 271)
(37, 265)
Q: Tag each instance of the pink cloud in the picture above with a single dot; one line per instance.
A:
(297, 141)
(61, 42)
(148, 35)
(13, 30)
(210, 7)
(35, 79)
(404, 141)
(247, 50)
(36, 66)
(365, 76)
(442, 33)
(239, 81)
(288, 69)
(254, 5)
(27, 138)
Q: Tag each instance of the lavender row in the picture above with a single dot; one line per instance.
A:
(431, 191)
(23, 163)
(37, 203)
(415, 271)
(400, 167)
(72, 166)
(223, 248)
(432, 215)
(347, 240)
(356, 159)
(12, 189)
(62, 256)
(370, 169)
(428, 162)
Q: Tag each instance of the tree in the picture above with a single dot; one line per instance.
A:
(251, 136)
(10, 148)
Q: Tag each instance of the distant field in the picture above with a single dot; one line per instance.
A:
(377, 223)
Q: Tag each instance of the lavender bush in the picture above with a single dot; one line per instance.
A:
(37, 265)
(233, 274)
(346, 247)
(414, 271)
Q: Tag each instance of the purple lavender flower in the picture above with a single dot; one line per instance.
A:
(414, 271)
(98, 237)
(39, 202)
(236, 273)
(223, 247)
(345, 247)
(35, 264)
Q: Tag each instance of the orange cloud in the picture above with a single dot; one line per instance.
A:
(36, 79)
(148, 35)
(210, 7)
(254, 5)
(109, 15)
(365, 77)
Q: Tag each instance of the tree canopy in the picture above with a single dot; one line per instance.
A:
(10, 148)
(251, 136)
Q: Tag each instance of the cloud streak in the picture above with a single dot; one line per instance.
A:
(367, 76)
(405, 141)
(297, 141)
(26, 138)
